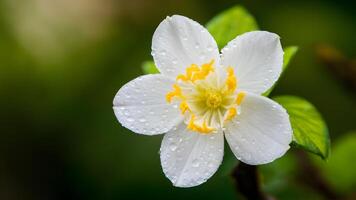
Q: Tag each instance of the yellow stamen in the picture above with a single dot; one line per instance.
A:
(184, 107)
(189, 72)
(231, 114)
(194, 72)
(204, 71)
(206, 95)
(231, 79)
(240, 97)
(177, 92)
(201, 129)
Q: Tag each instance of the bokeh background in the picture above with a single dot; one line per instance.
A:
(62, 61)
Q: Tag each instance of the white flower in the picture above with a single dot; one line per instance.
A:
(200, 96)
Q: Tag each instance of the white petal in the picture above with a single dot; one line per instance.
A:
(188, 158)
(179, 42)
(261, 133)
(257, 58)
(140, 105)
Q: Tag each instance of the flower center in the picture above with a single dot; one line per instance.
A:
(208, 96)
(213, 99)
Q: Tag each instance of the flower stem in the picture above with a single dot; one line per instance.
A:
(248, 182)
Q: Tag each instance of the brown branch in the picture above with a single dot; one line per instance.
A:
(248, 182)
(340, 65)
(310, 175)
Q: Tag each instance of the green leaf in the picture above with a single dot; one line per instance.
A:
(309, 129)
(230, 23)
(149, 67)
(289, 53)
(340, 171)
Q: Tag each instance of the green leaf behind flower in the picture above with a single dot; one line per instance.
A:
(340, 171)
(149, 67)
(230, 23)
(289, 53)
(309, 129)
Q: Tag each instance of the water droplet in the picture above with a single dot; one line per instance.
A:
(142, 120)
(130, 120)
(195, 163)
(173, 146)
(211, 165)
(202, 55)
(174, 61)
(210, 48)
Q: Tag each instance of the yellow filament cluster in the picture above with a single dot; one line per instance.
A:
(213, 100)
(194, 72)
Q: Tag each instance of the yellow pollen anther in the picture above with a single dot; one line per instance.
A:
(194, 72)
(231, 79)
(201, 129)
(240, 97)
(231, 113)
(184, 107)
(177, 92)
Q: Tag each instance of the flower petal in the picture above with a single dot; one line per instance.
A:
(261, 133)
(140, 105)
(257, 58)
(188, 158)
(179, 42)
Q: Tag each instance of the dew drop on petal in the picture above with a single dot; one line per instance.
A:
(211, 165)
(163, 52)
(173, 146)
(195, 163)
(174, 61)
(210, 48)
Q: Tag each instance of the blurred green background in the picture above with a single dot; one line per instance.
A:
(61, 63)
